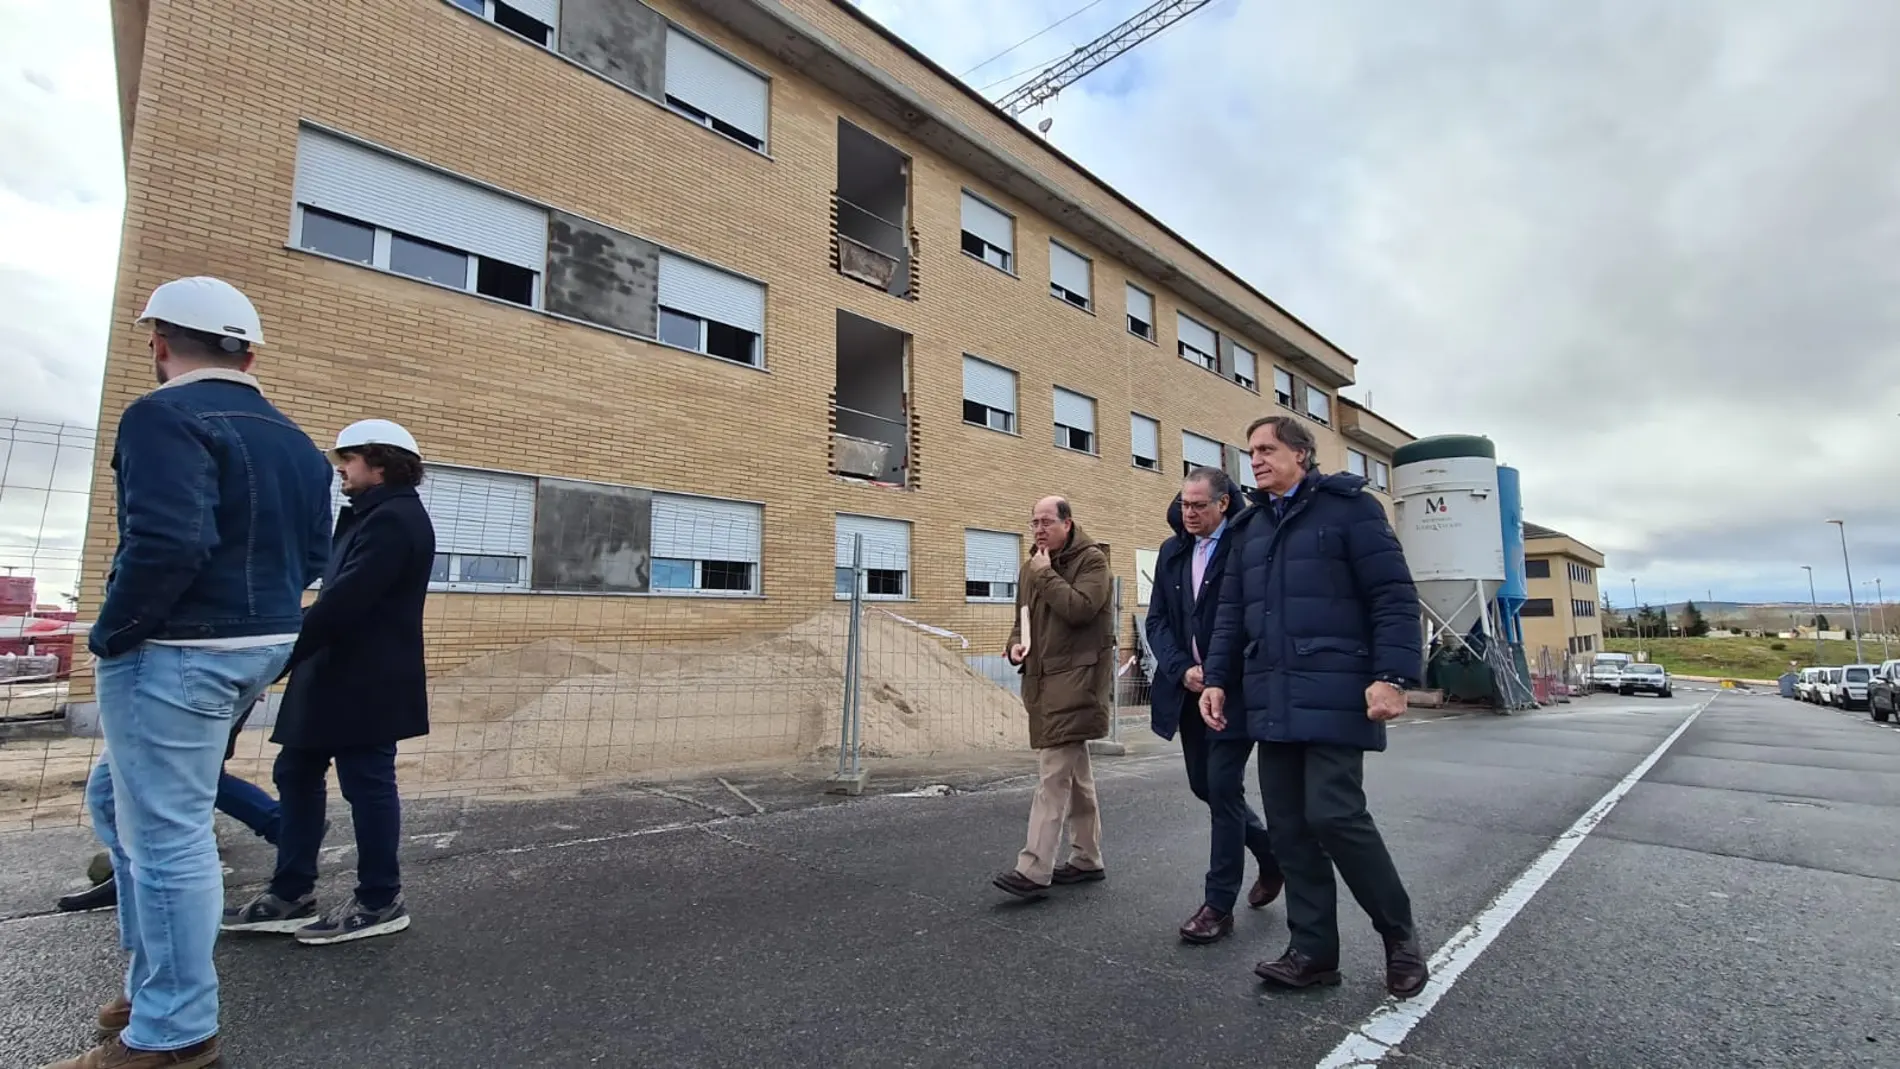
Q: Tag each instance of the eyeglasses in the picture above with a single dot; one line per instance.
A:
(1196, 506)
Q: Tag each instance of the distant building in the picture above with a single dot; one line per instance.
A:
(1560, 618)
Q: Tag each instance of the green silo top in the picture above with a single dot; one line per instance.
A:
(1444, 447)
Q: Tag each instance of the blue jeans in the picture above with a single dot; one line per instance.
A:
(167, 714)
(367, 776)
(249, 805)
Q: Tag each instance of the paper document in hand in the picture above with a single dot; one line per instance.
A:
(1023, 619)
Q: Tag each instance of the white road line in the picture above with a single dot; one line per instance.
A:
(1386, 1027)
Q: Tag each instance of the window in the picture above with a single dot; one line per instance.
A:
(358, 204)
(1381, 475)
(532, 19)
(989, 395)
(715, 90)
(1283, 387)
(1075, 421)
(1141, 313)
(1581, 574)
(484, 526)
(1537, 569)
(711, 311)
(1537, 607)
(990, 563)
(1239, 466)
(1199, 452)
(1145, 435)
(989, 234)
(704, 545)
(886, 556)
(1245, 369)
(1069, 277)
(1319, 405)
(1197, 342)
(1582, 607)
(1356, 464)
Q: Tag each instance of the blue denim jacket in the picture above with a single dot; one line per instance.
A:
(224, 516)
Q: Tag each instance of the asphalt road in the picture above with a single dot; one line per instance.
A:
(1735, 908)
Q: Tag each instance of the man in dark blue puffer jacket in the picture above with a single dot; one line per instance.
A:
(1318, 626)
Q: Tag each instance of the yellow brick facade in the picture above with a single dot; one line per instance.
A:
(1569, 584)
(211, 156)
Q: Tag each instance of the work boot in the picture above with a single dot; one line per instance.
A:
(1294, 969)
(114, 1016)
(99, 896)
(1208, 925)
(1405, 968)
(114, 1054)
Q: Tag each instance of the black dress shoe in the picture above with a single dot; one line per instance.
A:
(1066, 873)
(1264, 890)
(1405, 968)
(1295, 970)
(1208, 925)
(1017, 884)
(100, 896)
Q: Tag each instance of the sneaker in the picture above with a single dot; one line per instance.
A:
(268, 913)
(352, 920)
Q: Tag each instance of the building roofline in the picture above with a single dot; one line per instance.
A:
(1537, 531)
(1350, 403)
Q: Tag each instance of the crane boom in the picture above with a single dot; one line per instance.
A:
(1089, 57)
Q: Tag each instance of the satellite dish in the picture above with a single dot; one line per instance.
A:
(1043, 126)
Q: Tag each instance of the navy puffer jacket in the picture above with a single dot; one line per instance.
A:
(1312, 610)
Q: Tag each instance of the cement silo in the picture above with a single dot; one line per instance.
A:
(1446, 492)
(1516, 589)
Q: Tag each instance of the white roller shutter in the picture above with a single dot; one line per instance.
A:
(1244, 364)
(701, 528)
(1141, 305)
(1147, 437)
(991, 556)
(1069, 270)
(886, 542)
(715, 84)
(480, 512)
(989, 385)
(988, 223)
(709, 293)
(1201, 452)
(1075, 410)
(345, 178)
(1195, 334)
(1282, 382)
(544, 11)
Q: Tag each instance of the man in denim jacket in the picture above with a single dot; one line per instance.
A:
(223, 521)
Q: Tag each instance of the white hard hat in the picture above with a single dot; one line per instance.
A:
(208, 304)
(376, 432)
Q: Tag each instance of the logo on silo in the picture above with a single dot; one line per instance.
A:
(1435, 504)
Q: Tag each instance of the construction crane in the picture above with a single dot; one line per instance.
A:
(1078, 64)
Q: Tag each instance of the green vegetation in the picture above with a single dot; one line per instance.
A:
(1740, 658)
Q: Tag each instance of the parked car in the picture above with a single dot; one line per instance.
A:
(1651, 678)
(1883, 693)
(1851, 692)
(1808, 687)
(1606, 669)
(1830, 682)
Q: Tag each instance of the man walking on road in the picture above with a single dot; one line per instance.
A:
(357, 687)
(223, 504)
(1187, 584)
(1066, 654)
(1317, 635)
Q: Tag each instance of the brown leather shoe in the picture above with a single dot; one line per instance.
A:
(1405, 968)
(1019, 885)
(1208, 925)
(1294, 970)
(1264, 890)
(1066, 873)
(113, 1054)
(114, 1016)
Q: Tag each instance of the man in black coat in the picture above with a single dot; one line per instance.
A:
(357, 687)
(1181, 605)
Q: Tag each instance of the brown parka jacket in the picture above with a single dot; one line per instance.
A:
(1071, 661)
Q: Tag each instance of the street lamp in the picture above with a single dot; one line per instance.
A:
(1853, 609)
(1880, 599)
(1816, 618)
(1636, 613)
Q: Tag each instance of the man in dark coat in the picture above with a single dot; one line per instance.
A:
(1318, 636)
(1187, 583)
(357, 687)
(1067, 657)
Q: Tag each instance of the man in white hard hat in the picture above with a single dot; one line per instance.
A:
(223, 521)
(357, 687)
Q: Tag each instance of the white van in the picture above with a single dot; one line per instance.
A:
(1808, 687)
(1606, 671)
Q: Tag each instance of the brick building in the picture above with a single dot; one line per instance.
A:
(678, 297)
(1560, 616)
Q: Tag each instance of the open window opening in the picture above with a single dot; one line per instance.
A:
(873, 212)
(871, 406)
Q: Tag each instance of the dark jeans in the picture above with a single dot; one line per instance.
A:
(250, 805)
(368, 778)
(1217, 774)
(1315, 800)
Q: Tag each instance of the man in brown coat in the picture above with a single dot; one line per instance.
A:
(1067, 659)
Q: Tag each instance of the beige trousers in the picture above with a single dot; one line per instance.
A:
(1065, 794)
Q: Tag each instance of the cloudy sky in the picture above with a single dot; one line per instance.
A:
(1653, 249)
